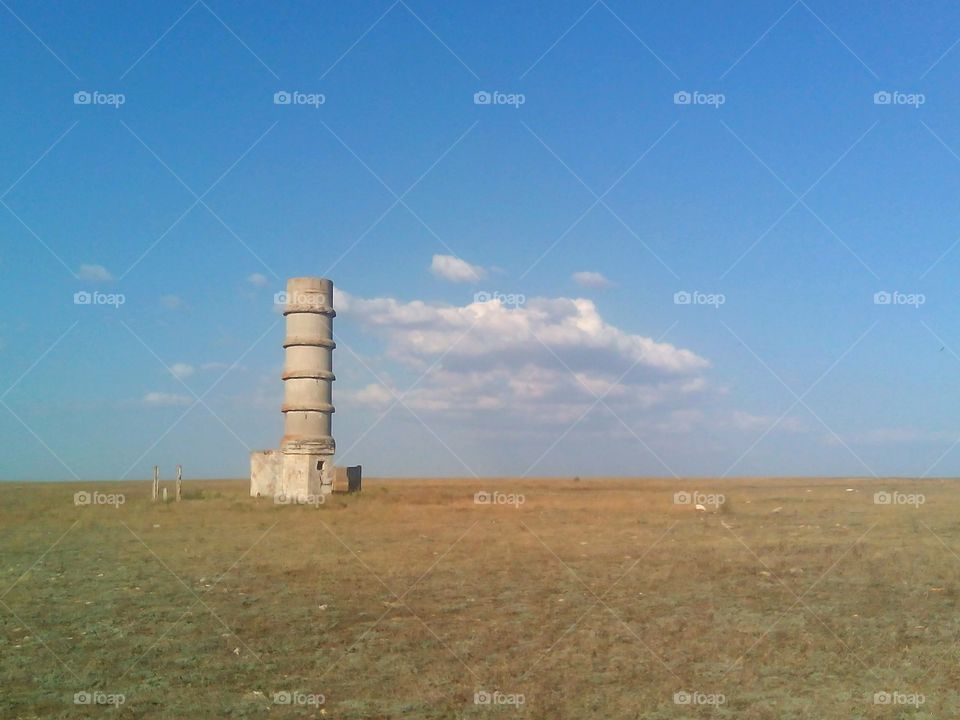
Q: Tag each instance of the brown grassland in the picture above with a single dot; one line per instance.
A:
(599, 598)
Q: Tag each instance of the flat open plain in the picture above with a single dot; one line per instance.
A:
(600, 598)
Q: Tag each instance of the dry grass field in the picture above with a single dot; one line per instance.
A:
(588, 599)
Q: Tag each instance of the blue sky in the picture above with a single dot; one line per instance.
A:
(794, 195)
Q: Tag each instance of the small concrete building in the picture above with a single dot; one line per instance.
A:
(303, 468)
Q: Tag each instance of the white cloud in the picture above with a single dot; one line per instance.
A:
(181, 370)
(546, 360)
(257, 280)
(749, 422)
(589, 279)
(456, 270)
(215, 366)
(890, 436)
(161, 399)
(94, 273)
(172, 302)
(372, 394)
(541, 327)
(681, 421)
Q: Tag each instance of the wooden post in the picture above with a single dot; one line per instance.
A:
(179, 481)
(156, 482)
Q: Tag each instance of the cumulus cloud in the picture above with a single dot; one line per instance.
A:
(257, 280)
(94, 273)
(547, 359)
(589, 279)
(181, 370)
(456, 270)
(161, 399)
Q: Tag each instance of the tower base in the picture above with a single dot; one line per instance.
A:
(296, 478)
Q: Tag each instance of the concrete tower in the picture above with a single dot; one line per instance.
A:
(303, 468)
(308, 446)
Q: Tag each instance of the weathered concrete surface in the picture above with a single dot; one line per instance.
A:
(304, 466)
(340, 482)
(300, 477)
(347, 479)
(308, 368)
(296, 478)
(265, 469)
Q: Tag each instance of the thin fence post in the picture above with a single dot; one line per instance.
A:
(156, 482)
(179, 481)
